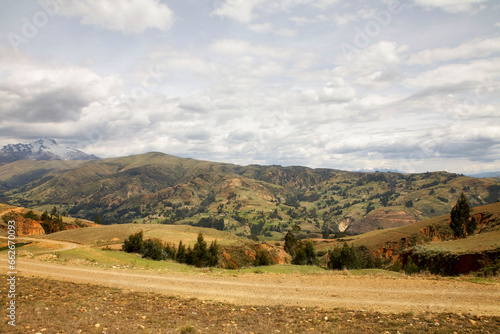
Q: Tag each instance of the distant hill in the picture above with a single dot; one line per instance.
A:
(263, 201)
(42, 149)
(486, 174)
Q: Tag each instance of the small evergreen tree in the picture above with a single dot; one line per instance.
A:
(180, 256)
(213, 254)
(170, 251)
(290, 243)
(200, 253)
(310, 253)
(45, 216)
(189, 258)
(472, 226)
(459, 215)
(134, 243)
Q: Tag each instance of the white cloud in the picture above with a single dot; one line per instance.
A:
(483, 70)
(127, 16)
(261, 28)
(40, 92)
(239, 10)
(377, 66)
(452, 6)
(286, 32)
(473, 49)
(338, 91)
(246, 11)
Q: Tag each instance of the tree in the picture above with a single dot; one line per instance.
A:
(153, 249)
(300, 257)
(213, 254)
(200, 253)
(310, 253)
(459, 215)
(53, 212)
(170, 251)
(471, 226)
(98, 219)
(290, 243)
(180, 256)
(134, 243)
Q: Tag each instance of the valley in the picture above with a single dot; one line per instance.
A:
(253, 201)
(391, 232)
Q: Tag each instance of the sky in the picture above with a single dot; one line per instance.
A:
(407, 85)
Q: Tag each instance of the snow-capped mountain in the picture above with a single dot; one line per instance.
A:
(42, 149)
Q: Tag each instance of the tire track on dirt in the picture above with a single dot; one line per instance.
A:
(386, 294)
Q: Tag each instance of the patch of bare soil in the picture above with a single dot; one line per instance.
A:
(53, 306)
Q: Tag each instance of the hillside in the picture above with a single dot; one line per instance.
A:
(116, 234)
(432, 245)
(29, 222)
(256, 200)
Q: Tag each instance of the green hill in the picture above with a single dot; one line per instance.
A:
(264, 201)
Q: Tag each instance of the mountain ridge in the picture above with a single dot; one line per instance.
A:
(44, 148)
(252, 200)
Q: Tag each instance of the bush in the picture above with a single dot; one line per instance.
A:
(352, 258)
(153, 249)
(410, 267)
(262, 258)
(134, 243)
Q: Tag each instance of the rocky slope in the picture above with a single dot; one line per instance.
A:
(431, 244)
(42, 149)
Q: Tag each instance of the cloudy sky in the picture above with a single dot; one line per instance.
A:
(410, 85)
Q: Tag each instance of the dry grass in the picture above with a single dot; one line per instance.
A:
(49, 306)
(113, 234)
(475, 243)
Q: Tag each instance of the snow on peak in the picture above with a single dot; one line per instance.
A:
(43, 149)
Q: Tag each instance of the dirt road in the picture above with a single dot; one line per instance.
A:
(63, 244)
(328, 291)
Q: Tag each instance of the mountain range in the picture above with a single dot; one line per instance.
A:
(248, 200)
(42, 149)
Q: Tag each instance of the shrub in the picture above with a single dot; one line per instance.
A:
(262, 258)
(134, 243)
(410, 267)
(153, 249)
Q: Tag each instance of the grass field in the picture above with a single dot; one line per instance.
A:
(475, 243)
(115, 234)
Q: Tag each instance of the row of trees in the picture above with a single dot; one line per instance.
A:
(199, 255)
(351, 257)
(302, 253)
